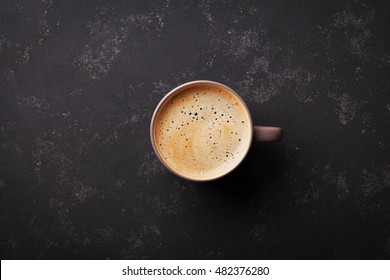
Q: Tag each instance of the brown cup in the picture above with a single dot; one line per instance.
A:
(257, 133)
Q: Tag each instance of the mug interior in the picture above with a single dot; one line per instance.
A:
(244, 148)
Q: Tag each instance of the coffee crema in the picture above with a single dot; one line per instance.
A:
(202, 132)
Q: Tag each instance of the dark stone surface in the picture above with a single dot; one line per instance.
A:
(80, 80)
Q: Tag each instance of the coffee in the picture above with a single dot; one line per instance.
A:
(202, 132)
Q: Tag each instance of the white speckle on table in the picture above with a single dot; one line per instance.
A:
(107, 37)
(342, 186)
(257, 233)
(346, 106)
(359, 32)
(150, 167)
(261, 84)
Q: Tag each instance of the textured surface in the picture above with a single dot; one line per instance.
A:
(80, 80)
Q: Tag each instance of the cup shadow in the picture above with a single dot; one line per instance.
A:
(264, 165)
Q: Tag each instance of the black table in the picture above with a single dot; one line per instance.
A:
(79, 83)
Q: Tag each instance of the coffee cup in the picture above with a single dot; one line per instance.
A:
(202, 130)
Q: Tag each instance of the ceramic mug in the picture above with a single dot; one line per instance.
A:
(206, 89)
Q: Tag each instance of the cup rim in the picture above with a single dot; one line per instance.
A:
(177, 90)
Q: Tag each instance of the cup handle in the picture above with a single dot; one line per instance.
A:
(267, 133)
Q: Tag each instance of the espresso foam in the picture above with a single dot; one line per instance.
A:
(202, 132)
